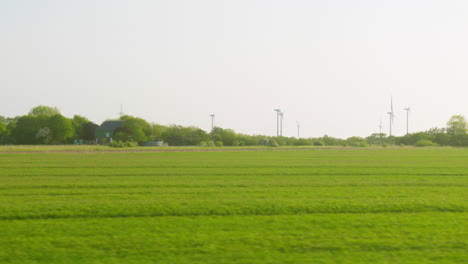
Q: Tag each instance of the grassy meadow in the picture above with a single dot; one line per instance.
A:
(370, 205)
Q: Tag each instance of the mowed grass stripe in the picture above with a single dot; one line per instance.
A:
(346, 238)
(305, 206)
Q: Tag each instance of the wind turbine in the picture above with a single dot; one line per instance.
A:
(281, 126)
(278, 113)
(380, 126)
(298, 128)
(407, 119)
(121, 113)
(212, 121)
(391, 116)
(380, 130)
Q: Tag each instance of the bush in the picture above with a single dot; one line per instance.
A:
(130, 144)
(238, 143)
(207, 144)
(120, 144)
(356, 142)
(116, 144)
(318, 143)
(273, 143)
(219, 143)
(268, 142)
(424, 143)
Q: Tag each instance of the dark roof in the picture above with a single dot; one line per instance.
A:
(110, 125)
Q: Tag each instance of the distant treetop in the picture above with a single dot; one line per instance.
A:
(43, 110)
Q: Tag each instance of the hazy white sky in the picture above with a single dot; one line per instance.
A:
(331, 65)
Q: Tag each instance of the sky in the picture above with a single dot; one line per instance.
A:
(331, 66)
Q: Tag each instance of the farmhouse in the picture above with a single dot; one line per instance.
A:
(105, 132)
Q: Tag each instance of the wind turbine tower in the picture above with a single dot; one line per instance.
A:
(278, 113)
(212, 121)
(407, 119)
(121, 113)
(380, 130)
(380, 127)
(391, 116)
(281, 125)
(298, 128)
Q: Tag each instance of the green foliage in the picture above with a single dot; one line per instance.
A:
(45, 111)
(121, 136)
(457, 125)
(139, 128)
(3, 128)
(88, 130)
(157, 131)
(44, 125)
(269, 142)
(441, 139)
(60, 127)
(122, 144)
(208, 143)
(424, 143)
(3, 133)
(331, 141)
(79, 124)
(356, 142)
(226, 136)
(184, 136)
(376, 139)
(318, 143)
(460, 140)
(25, 128)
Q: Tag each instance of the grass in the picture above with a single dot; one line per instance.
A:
(401, 205)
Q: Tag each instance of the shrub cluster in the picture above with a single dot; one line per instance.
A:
(120, 144)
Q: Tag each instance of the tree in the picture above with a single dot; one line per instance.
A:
(356, 142)
(3, 120)
(157, 131)
(122, 134)
(184, 136)
(227, 136)
(460, 140)
(42, 110)
(140, 129)
(88, 130)
(25, 128)
(457, 125)
(78, 124)
(442, 138)
(376, 138)
(3, 132)
(60, 127)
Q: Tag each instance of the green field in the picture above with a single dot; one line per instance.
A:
(401, 205)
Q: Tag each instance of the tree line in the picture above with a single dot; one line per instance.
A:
(46, 125)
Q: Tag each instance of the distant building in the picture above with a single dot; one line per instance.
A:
(105, 132)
